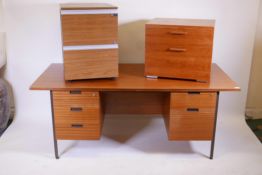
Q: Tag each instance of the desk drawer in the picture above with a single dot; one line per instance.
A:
(192, 124)
(76, 98)
(78, 131)
(186, 100)
(89, 29)
(75, 95)
(65, 114)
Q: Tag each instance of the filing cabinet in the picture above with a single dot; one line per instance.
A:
(179, 48)
(89, 38)
(77, 115)
(191, 115)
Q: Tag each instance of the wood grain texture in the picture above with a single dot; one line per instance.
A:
(89, 29)
(131, 78)
(177, 51)
(88, 64)
(183, 124)
(86, 6)
(77, 124)
(133, 102)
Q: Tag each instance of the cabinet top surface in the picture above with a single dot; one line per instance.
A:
(131, 78)
(183, 22)
(86, 6)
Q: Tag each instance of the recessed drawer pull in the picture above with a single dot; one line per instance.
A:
(177, 33)
(176, 50)
(192, 109)
(77, 126)
(76, 109)
(194, 93)
(75, 92)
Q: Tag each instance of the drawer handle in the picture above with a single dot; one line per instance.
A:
(194, 93)
(177, 33)
(176, 50)
(76, 109)
(192, 109)
(77, 126)
(75, 92)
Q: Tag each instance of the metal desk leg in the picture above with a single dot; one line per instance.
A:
(214, 131)
(53, 122)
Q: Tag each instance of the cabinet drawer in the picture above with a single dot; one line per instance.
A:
(193, 54)
(191, 125)
(78, 131)
(179, 35)
(179, 61)
(89, 29)
(183, 101)
(88, 64)
(189, 62)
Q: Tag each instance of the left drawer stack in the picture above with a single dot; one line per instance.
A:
(77, 115)
(89, 34)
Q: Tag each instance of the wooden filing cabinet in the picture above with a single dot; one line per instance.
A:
(179, 48)
(89, 34)
(191, 115)
(77, 115)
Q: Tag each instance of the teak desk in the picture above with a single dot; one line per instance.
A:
(188, 108)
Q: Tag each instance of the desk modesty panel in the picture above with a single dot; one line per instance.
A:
(189, 108)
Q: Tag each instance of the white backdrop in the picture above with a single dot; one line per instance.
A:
(33, 41)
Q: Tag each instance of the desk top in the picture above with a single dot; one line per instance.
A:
(131, 78)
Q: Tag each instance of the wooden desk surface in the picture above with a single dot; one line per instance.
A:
(131, 78)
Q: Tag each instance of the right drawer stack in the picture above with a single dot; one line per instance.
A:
(191, 116)
(89, 33)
